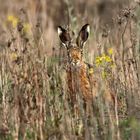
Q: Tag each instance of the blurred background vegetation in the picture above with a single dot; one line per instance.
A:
(33, 88)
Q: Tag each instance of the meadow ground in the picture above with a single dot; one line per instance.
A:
(33, 87)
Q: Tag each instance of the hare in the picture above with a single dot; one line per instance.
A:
(78, 77)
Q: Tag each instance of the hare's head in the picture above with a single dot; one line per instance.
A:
(74, 45)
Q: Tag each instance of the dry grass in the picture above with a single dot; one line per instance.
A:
(33, 88)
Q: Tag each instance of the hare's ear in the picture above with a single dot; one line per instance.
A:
(83, 35)
(63, 35)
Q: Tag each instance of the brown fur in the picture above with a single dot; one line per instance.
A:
(78, 80)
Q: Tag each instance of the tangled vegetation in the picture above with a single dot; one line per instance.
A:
(33, 87)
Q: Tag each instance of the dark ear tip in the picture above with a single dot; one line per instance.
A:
(59, 27)
(86, 27)
(87, 24)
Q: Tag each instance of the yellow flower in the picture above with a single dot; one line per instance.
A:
(13, 56)
(102, 60)
(10, 18)
(13, 20)
(91, 71)
(110, 51)
(108, 59)
(104, 74)
(98, 60)
(26, 27)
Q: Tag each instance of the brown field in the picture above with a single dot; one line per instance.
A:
(33, 86)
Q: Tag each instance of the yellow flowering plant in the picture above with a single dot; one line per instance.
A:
(13, 56)
(13, 20)
(110, 51)
(105, 62)
(103, 59)
(91, 71)
(26, 27)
